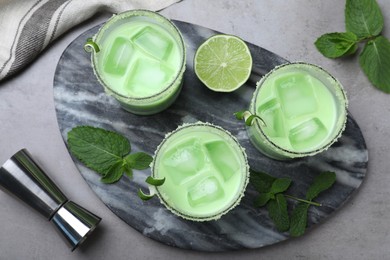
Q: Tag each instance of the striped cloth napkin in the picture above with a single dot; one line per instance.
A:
(28, 26)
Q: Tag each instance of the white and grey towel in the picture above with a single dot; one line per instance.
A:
(28, 26)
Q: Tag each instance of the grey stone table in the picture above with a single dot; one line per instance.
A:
(80, 100)
(359, 230)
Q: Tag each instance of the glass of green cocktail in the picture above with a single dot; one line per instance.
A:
(205, 170)
(139, 57)
(303, 110)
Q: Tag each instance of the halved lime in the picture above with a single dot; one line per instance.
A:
(223, 63)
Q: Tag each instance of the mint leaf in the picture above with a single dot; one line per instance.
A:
(103, 152)
(280, 185)
(299, 219)
(261, 181)
(335, 45)
(262, 199)
(128, 171)
(97, 148)
(375, 62)
(114, 173)
(139, 161)
(321, 183)
(277, 210)
(363, 17)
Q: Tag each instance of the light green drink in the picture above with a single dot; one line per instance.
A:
(304, 110)
(205, 170)
(140, 60)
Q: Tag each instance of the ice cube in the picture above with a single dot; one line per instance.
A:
(205, 191)
(118, 57)
(223, 159)
(184, 162)
(309, 134)
(148, 77)
(296, 95)
(272, 115)
(154, 43)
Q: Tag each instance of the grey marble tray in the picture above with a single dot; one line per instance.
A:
(80, 100)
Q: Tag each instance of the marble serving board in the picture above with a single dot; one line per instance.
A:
(80, 100)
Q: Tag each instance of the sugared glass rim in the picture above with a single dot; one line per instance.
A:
(340, 125)
(142, 13)
(242, 187)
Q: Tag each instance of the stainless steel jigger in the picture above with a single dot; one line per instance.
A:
(22, 177)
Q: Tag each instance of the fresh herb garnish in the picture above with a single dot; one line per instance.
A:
(321, 183)
(363, 23)
(271, 194)
(248, 117)
(338, 44)
(106, 152)
(270, 190)
(363, 18)
(277, 211)
(299, 219)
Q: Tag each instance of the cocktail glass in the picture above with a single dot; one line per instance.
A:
(304, 110)
(139, 57)
(205, 170)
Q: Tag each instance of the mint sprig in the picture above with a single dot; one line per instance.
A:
(138, 161)
(271, 189)
(105, 152)
(364, 24)
(114, 173)
(272, 195)
(321, 183)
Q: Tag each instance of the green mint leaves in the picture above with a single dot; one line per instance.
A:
(321, 183)
(375, 61)
(364, 23)
(334, 45)
(270, 190)
(299, 219)
(106, 152)
(363, 18)
(277, 210)
(272, 195)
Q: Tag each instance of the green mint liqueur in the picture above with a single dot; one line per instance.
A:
(140, 61)
(205, 171)
(303, 108)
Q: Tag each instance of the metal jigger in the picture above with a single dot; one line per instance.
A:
(22, 177)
